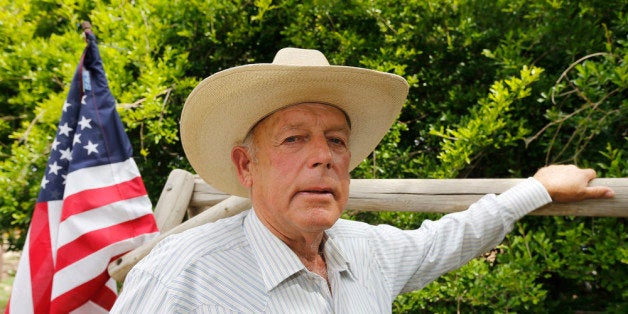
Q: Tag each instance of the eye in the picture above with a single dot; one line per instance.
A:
(337, 141)
(292, 139)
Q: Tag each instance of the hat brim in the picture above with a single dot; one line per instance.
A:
(219, 112)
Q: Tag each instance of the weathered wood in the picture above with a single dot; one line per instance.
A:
(229, 207)
(451, 195)
(445, 196)
(203, 196)
(174, 199)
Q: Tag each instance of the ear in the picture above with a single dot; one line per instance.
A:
(241, 159)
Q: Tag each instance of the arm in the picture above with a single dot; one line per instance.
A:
(458, 237)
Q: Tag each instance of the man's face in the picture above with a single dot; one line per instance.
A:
(299, 174)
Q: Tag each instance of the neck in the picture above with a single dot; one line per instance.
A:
(308, 247)
(312, 256)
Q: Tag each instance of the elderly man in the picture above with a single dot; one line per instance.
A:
(287, 135)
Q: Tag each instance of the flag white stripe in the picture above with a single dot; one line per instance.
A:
(54, 217)
(101, 176)
(22, 293)
(92, 265)
(106, 216)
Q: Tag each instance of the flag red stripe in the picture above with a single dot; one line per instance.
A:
(76, 297)
(40, 258)
(105, 298)
(91, 242)
(89, 199)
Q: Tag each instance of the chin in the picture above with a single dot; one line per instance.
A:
(324, 217)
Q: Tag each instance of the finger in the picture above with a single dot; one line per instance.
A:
(599, 192)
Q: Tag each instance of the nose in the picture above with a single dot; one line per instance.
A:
(322, 155)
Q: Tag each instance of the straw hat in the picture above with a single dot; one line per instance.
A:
(222, 109)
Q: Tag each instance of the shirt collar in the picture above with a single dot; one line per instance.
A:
(276, 260)
(334, 255)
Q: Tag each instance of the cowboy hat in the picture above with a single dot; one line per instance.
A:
(222, 109)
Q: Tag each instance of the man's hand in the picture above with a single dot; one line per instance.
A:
(570, 183)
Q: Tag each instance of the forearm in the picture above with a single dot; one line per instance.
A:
(457, 238)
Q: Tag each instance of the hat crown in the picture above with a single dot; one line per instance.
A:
(300, 57)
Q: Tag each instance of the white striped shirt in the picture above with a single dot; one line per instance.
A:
(236, 265)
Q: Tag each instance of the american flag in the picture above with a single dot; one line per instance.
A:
(92, 205)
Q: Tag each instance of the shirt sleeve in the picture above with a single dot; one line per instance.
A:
(413, 258)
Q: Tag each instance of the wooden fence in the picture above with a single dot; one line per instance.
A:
(185, 193)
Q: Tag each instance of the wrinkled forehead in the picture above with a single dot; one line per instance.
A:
(304, 105)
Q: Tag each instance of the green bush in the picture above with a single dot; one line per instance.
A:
(525, 82)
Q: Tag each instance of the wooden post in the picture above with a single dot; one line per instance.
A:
(174, 199)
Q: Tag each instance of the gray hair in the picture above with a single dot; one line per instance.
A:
(249, 144)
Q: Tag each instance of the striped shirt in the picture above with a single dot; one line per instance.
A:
(236, 265)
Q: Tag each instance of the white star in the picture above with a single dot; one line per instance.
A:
(66, 105)
(44, 181)
(65, 129)
(55, 194)
(84, 123)
(66, 154)
(83, 99)
(91, 147)
(77, 138)
(55, 143)
(54, 168)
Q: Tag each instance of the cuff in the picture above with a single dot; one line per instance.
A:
(525, 197)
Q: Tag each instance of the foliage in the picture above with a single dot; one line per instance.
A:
(487, 126)
(525, 82)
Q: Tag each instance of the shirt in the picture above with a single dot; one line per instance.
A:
(236, 265)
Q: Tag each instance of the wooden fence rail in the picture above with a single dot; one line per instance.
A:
(442, 196)
(186, 193)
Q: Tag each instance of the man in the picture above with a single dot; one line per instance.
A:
(287, 135)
